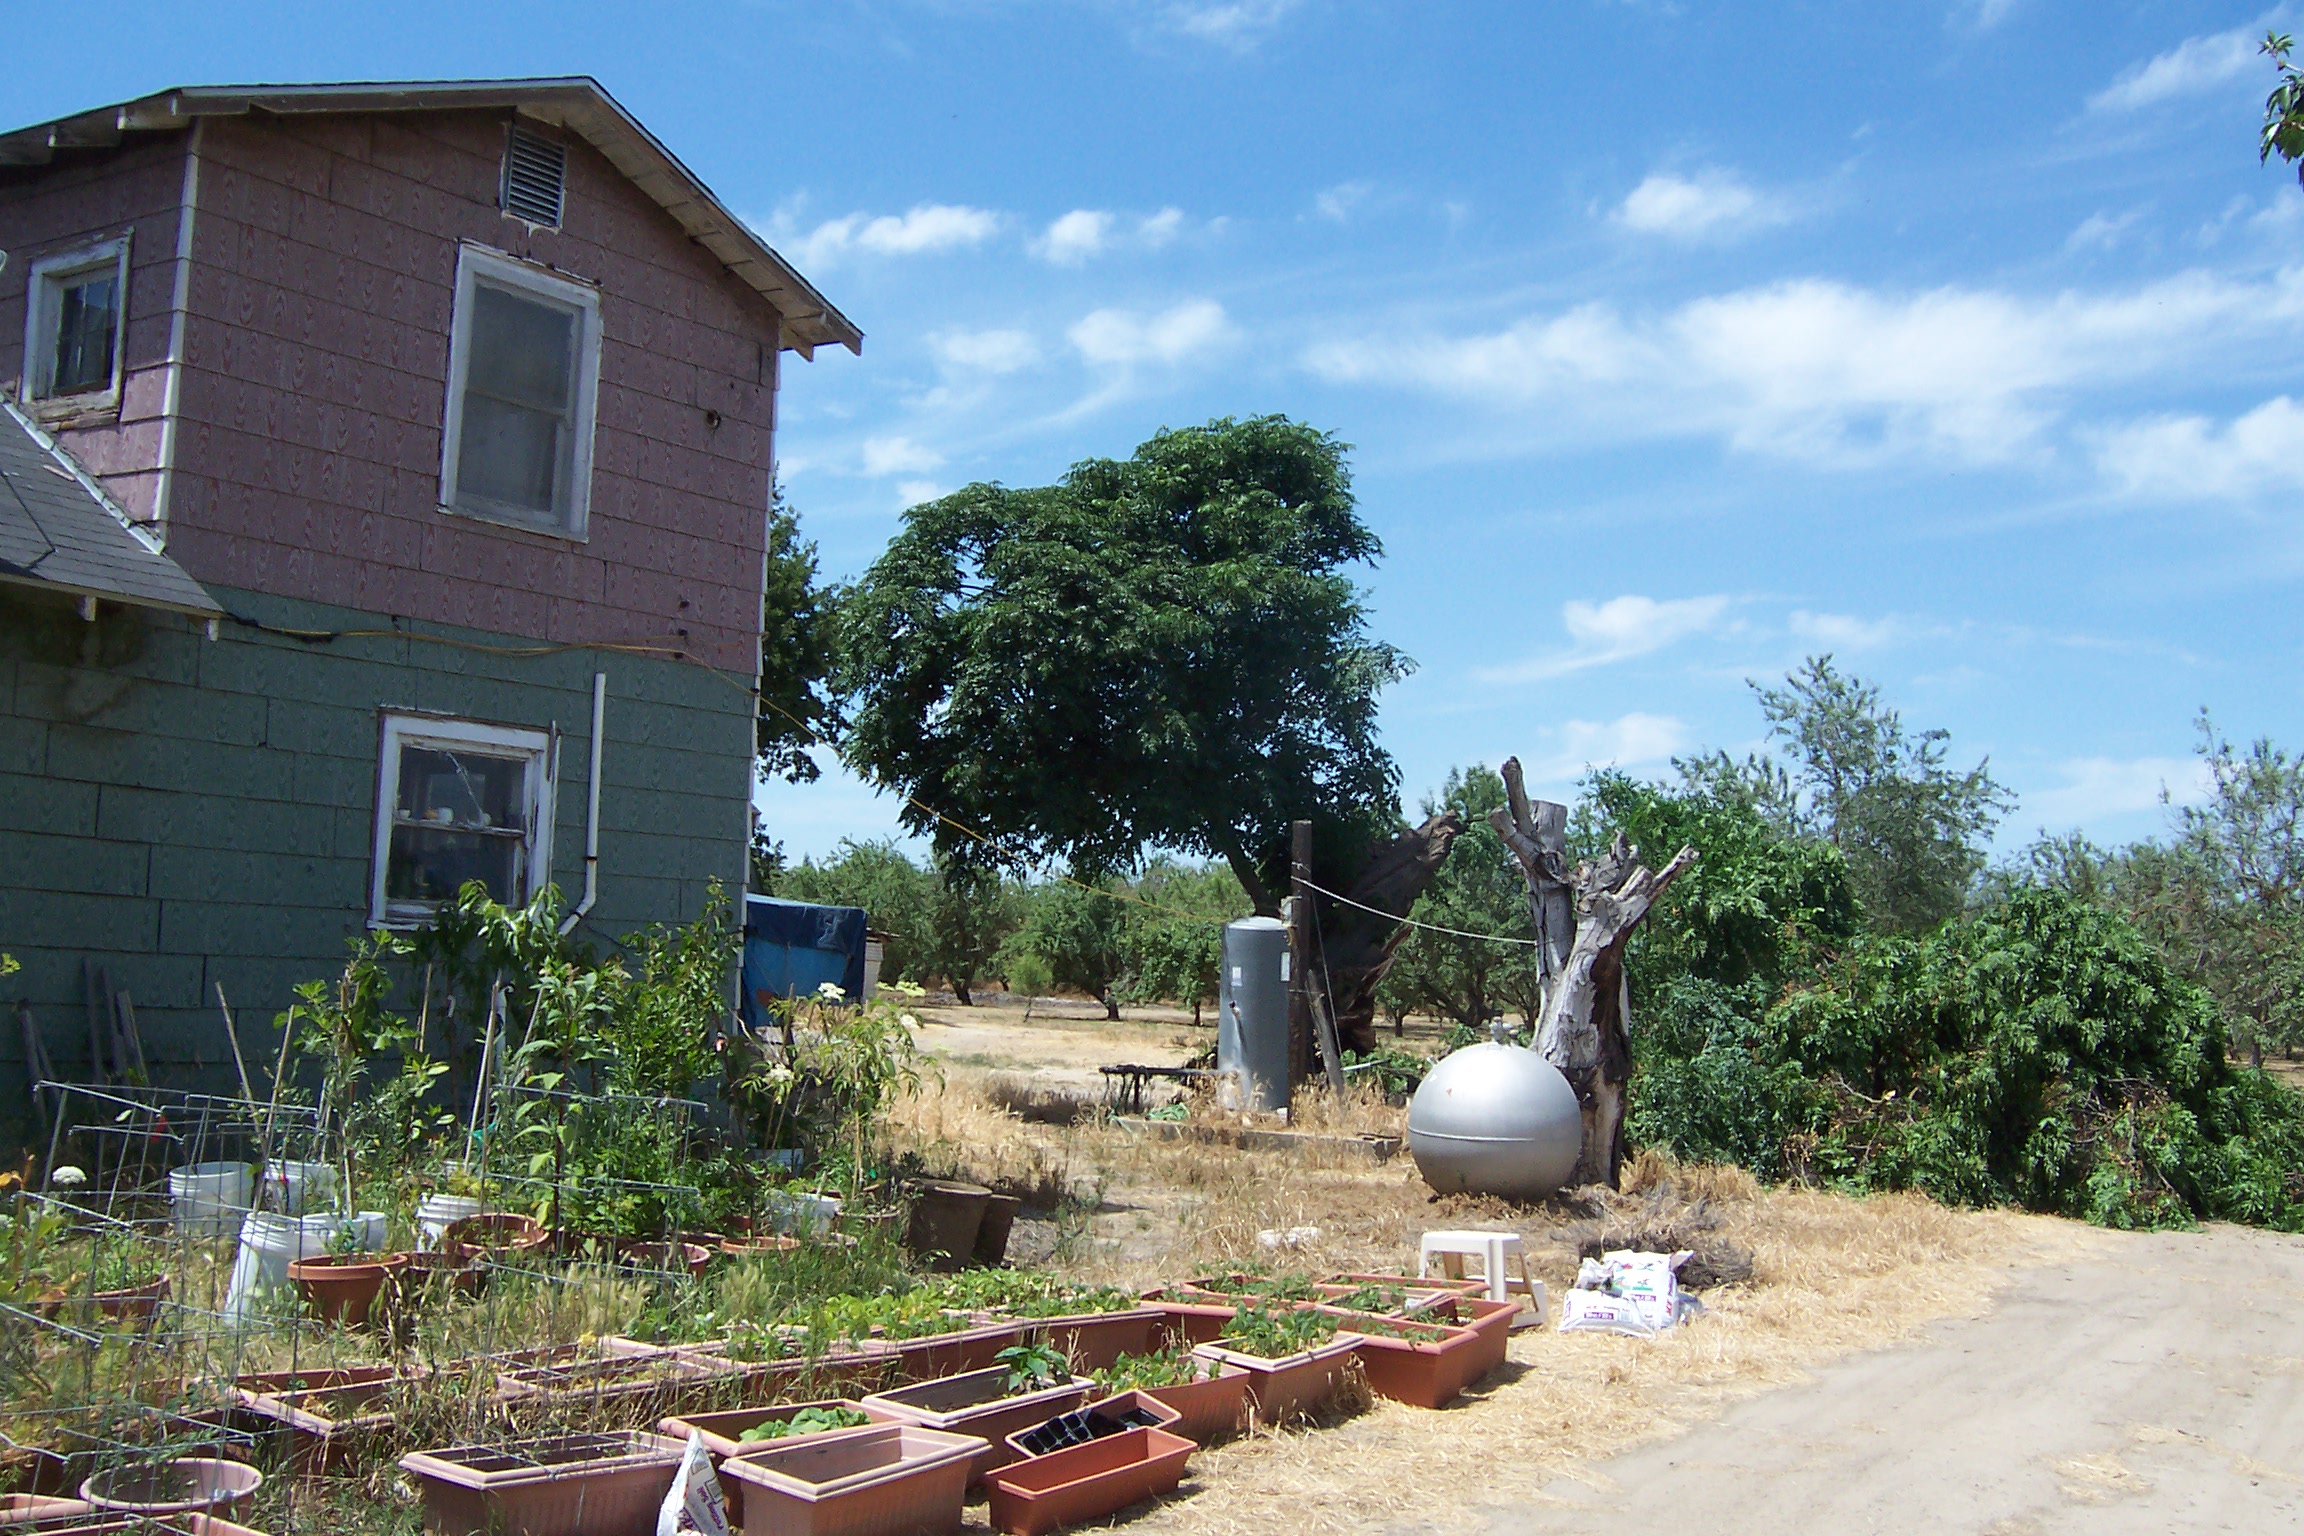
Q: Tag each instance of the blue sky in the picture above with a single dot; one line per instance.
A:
(1676, 342)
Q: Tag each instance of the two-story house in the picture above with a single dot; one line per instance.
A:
(384, 474)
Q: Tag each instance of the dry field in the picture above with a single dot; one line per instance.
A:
(1829, 1276)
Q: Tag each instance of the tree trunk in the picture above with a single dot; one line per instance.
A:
(1355, 946)
(1585, 1029)
(1111, 1004)
(960, 994)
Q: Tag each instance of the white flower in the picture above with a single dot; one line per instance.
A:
(907, 1021)
(830, 991)
(68, 1177)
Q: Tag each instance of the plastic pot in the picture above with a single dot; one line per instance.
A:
(181, 1486)
(1280, 1390)
(1086, 1482)
(20, 1508)
(1117, 1414)
(564, 1485)
(210, 1200)
(879, 1480)
(945, 1220)
(979, 1403)
(291, 1188)
(1211, 1408)
(1426, 1369)
(721, 1432)
(269, 1243)
(672, 1258)
(435, 1214)
(497, 1230)
(343, 1289)
(991, 1248)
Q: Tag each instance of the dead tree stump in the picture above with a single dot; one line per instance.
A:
(1356, 945)
(1583, 919)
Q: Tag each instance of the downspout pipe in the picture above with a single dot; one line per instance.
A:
(592, 809)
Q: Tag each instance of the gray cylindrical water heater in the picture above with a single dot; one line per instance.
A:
(1252, 1013)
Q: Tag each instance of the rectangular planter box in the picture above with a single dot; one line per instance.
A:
(972, 1404)
(1426, 1370)
(881, 1480)
(114, 1523)
(1118, 1405)
(1472, 1287)
(567, 1485)
(1491, 1320)
(847, 1371)
(1282, 1389)
(1189, 1319)
(320, 1414)
(612, 1369)
(955, 1353)
(1213, 1408)
(1086, 1482)
(17, 1508)
(1093, 1340)
(720, 1430)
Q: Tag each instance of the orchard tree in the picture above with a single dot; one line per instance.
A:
(1157, 652)
(1081, 932)
(1176, 941)
(1477, 891)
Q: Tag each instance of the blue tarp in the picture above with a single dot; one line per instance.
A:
(793, 947)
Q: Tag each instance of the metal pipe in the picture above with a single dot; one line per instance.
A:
(592, 809)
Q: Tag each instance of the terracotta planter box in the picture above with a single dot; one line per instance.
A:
(1086, 1482)
(1281, 1389)
(976, 1404)
(17, 1508)
(1189, 1319)
(1425, 1370)
(956, 1353)
(1147, 1410)
(321, 1414)
(567, 1485)
(1472, 1287)
(1093, 1340)
(880, 1480)
(848, 1371)
(1213, 1408)
(720, 1430)
(612, 1368)
(1491, 1320)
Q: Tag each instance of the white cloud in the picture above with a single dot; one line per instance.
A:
(898, 456)
(1616, 630)
(993, 351)
(2191, 68)
(1120, 337)
(1084, 232)
(1841, 631)
(1234, 23)
(926, 229)
(2098, 787)
(1829, 372)
(1072, 239)
(2190, 458)
(1982, 15)
(1628, 741)
(910, 493)
(2101, 231)
(1337, 202)
(1709, 203)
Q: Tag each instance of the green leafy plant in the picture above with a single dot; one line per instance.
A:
(1273, 1335)
(1291, 1285)
(1144, 1372)
(1033, 1366)
(808, 1421)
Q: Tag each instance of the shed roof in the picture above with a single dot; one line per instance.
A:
(576, 103)
(58, 530)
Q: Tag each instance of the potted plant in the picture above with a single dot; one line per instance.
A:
(1419, 1363)
(563, 1485)
(1210, 1397)
(1031, 1383)
(180, 1485)
(1293, 1358)
(746, 1431)
(343, 1287)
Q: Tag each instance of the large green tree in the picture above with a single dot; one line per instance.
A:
(798, 631)
(1157, 652)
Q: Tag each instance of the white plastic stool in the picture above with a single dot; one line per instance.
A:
(1492, 1249)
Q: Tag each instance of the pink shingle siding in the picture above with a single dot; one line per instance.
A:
(307, 459)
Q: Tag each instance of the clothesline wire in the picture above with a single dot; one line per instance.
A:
(1454, 933)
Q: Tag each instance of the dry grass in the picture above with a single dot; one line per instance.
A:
(1830, 1275)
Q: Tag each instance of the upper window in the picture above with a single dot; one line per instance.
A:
(523, 368)
(74, 317)
(457, 801)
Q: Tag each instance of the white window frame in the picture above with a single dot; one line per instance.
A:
(477, 264)
(440, 732)
(43, 312)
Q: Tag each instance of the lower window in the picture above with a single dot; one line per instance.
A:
(458, 801)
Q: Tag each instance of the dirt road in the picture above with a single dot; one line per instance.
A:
(2155, 1385)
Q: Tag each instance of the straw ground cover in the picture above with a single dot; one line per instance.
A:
(1829, 1275)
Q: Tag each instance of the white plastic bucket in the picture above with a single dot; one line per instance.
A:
(434, 1212)
(270, 1242)
(803, 1213)
(293, 1188)
(209, 1198)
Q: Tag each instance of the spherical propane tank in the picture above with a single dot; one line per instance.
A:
(1495, 1119)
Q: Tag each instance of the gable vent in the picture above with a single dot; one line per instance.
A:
(535, 177)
